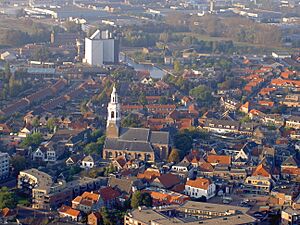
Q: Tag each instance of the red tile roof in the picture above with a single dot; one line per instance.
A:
(201, 183)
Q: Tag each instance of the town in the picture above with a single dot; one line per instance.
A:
(152, 112)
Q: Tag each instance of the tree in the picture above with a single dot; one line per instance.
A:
(7, 198)
(177, 66)
(141, 199)
(32, 140)
(183, 143)
(131, 121)
(106, 217)
(146, 199)
(142, 99)
(136, 199)
(51, 123)
(91, 148)
(202, 93)
(174, 156)
(35, 122)
(19, 163)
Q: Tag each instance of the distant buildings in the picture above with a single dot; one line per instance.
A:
(101, 48)
(4, 165)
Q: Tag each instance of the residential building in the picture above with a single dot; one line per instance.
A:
(46, 193)
(258, 185)
(4, 165)
(87, 202)
(200, 187)
(87, 162)
(69, 213)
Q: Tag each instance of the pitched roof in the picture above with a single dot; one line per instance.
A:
(108, 193)
(220, 159)
(261, 170)
(91, 195)
(168, 180)
(68, 211)
(201, 183)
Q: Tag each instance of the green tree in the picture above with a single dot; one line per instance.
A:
(35, 122)
(146, 199)
(33, 140)
(184, 143)
(174, 156)
(136, 199)
(19, 163)
(202, 93)
(141, 199)
(131, 120)
(91, 148)
(7, 198)
(177, 66)
(51, 123)
(142, 99)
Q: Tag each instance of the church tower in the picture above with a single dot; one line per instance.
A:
(114, 115)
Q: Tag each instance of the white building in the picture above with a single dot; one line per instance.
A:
(101, 48)
(200, 187)
(4, 165)
(88, 162)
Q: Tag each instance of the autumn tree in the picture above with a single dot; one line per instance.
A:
(174, 156)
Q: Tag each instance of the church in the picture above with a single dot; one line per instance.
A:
(132, 143)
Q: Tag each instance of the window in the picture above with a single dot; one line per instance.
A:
(112, 114)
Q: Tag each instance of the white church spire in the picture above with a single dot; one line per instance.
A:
(113, 114)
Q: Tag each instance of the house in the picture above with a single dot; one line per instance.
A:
(166, 181)
(87, 202)
(162, 197)
(200, 187)
(7, 214)
(221, 126)
(290, 168)
(183, 169)
(109, 196)
(262, 170)
(87, 162)
(8, 56)
(224, 160)
(26, 130)
(293, 122)
(125, 185)
(73, 160)
(69, 213)
(94, 218)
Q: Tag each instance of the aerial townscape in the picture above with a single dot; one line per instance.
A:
(150, 112)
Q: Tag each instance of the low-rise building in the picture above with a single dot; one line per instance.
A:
(258, 185)
(200, 187)
(69, 213)
(192, 213)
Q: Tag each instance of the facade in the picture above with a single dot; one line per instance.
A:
(258, 185)
(101, 48)
(200, 187)
(47, 194)
(132, 143)
(4, 165)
